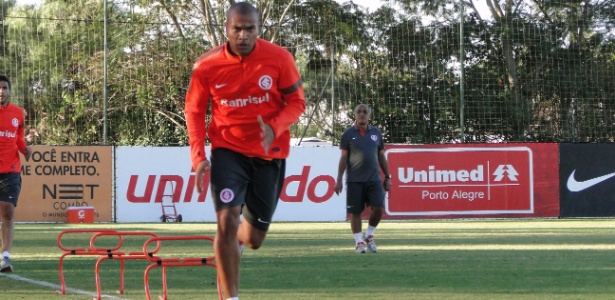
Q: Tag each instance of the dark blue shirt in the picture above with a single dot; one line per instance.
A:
(362, 163)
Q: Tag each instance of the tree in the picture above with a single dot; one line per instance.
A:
(534, 71)
(529, 66)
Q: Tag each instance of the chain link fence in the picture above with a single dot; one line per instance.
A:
(115, 72)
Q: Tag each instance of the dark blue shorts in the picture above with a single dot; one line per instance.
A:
(249, 181)
(10, 186)
(362, 194)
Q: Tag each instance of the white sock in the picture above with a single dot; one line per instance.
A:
(370, 230)
(358, 237)
(5, 254)
(233, 298)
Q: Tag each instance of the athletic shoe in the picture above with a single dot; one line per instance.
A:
(371, 244)
(5, 265)
(360, 247)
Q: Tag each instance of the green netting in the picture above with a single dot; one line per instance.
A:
(534, 71)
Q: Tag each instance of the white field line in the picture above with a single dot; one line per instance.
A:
(57, 287)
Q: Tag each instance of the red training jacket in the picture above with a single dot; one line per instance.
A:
(11, 138)
(265, 83)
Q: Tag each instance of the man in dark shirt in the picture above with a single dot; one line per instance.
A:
(362, 158)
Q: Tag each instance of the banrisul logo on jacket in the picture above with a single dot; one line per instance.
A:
(243, 102)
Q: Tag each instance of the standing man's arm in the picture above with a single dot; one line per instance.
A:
(21, 142)
(340, 171)
(384, 165)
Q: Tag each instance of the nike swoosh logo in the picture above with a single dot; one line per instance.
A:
(577, 186)
(260, 220)
(220, 85)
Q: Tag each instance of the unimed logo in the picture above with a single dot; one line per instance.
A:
(474, 175)
(445, 181)
(166, 186)
(154, 188)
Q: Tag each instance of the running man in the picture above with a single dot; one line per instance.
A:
(255, 92)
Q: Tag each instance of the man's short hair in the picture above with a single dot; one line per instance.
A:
(4, 78)
(242, 8)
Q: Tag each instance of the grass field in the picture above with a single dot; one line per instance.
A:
(455, 259)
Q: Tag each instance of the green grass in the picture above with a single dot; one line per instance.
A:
(457, 259)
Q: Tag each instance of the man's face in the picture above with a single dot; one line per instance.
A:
(242, 31)
(5, 92)
(361, 114)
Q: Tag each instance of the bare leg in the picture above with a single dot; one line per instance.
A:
(355, 223)
(7, 212)
(226, 250)
(375, 216)
(226, 247)
(250, 235)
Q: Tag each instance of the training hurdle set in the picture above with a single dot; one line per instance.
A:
(110, 245)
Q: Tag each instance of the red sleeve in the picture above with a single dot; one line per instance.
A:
(197, 100)
(292, 91)
(21, 139)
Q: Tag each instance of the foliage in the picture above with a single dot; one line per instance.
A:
(538, 70)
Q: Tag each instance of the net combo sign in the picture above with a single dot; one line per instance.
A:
(460, 181)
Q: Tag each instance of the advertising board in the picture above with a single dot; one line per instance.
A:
(55, 178)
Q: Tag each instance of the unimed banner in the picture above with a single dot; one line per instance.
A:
(434, 181)
(57, 177)
(587, 180)
(486, 180)
(156, 181)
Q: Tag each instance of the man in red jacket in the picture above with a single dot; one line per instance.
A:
(255, 93)
(11, 143)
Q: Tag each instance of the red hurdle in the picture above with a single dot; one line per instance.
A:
(117, 251)
(175, 262)
(80, 251)
(122, 256)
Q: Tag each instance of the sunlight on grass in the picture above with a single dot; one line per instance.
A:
(490, 247)
(417, 259)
